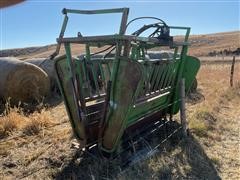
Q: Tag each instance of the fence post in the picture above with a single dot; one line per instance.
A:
(232, 71)
(182, 107)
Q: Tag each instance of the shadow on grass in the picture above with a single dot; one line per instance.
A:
(201, 166)
(176, 159)
(54, 100)
(195, 97)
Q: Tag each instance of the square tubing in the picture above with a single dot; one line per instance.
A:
(183, 107)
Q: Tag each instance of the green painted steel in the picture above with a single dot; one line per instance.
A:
(105, 94)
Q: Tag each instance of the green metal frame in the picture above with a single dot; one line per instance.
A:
(136, 87)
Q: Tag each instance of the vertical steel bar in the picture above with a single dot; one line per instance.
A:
(175, 53)
(180, 69)
(160, 73)
(153, 78)
(73, 79)
(182, 106)
(92, 71)
(150, 74)
(124, 21)
(172, 75)
(102, 74)
(157, 75)
(108, 69)
(65, 21)
(170, 72)
(165, 70)
(86, 70)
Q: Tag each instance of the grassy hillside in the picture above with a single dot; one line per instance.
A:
(201, 45)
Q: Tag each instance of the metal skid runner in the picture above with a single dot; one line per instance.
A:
(119, 92)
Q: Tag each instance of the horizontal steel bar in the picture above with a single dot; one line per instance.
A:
(89, 12)
(113, 38)
(95, 97)
(178, 27)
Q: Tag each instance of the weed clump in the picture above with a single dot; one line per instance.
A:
(201, 121)
(11, 122)
(15, 120)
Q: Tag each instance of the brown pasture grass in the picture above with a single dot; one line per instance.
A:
(15, 120)
(45, 150)
(214, 85)
(215, 120)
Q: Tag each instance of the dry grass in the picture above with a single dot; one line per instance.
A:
(215, 120)
(15, 121)
(198, 122)
(36, 122)
(218, 94)
(39, 145)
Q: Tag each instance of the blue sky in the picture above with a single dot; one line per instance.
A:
(38, 22)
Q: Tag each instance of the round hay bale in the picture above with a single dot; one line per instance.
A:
(22, 81)
(46, 65)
